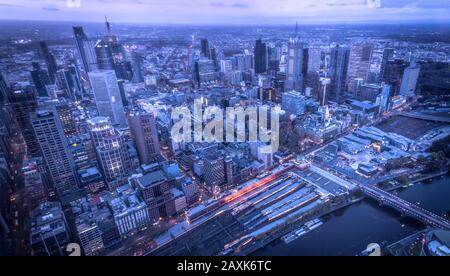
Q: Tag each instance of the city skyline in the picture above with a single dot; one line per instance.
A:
(229, 11)
(206, 140)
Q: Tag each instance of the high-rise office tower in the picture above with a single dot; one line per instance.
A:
(360, 58)
(64, 112)
(24, 102)
(409, 81)
(74, 81)
(394, 74)
(112, 152)
(355, 87)
(105, 60)
(338, 73)
(54, 147)
(136, 63)
(33, 178)
(112, 40)
(145, 134)
(107, 96)
(388, 55)
(123, 93)
(65, 115)
(214, 57)
(69, 83)
(40, 79)
(49, 233)
(274, 57)
(4, 89)
(49, 60)
(205, 48)
(294, 74)
(85, 49)
(315, 59)
(305, 67)
(260, 56)
(383, 98)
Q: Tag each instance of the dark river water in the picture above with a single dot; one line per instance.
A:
(349, 231)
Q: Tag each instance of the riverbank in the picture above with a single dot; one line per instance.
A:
(415, 181)
(348, 230)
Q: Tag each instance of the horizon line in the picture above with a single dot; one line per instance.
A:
(352, 22)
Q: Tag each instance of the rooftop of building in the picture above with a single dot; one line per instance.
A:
(125, 203)
(152, 179)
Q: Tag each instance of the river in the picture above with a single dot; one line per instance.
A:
(349, 231)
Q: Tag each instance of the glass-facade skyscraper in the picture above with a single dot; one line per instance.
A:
(107, 96)
(338, 73)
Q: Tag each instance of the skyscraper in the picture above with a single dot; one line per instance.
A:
(360, 58)
(205, 48)
(314, 59)
(112, 152)
(409, 81)
(213, 56)
(143, 129)
(85, 49)
(394, 74)
(50, 136)
(24, 102)
(107, 96)
(294, 74)
(338, 73)
(33, 178)
(383, 98)
(260, 56)
(388, 55)
(40, 79)
(49, 60)
(136, 68)
(4, 89)
(105, 60)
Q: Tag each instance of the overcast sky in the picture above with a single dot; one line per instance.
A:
(228, 11)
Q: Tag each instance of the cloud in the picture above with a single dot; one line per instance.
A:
(229, 11)
(237, 5)
(51, 8)
(241, 5)
(217, 4)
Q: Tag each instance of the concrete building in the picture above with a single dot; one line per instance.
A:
(107, 96)
(54, 147)
(409, 81)
(34, 180)
(293, 102)
(49, 232)
(112, 152)
(145, 134)
(156, 192)
(130, 214)
(295, 64)
(214, 170)
(359, 64)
